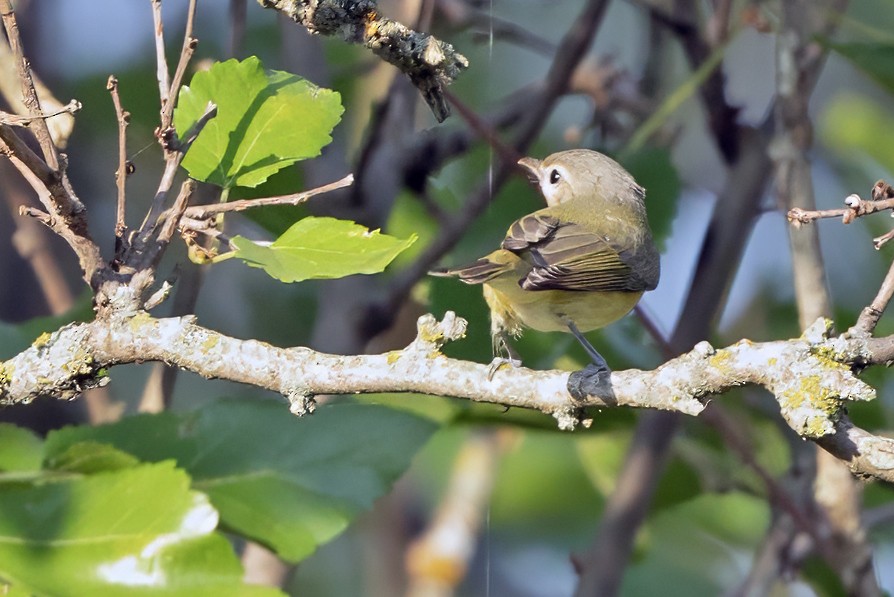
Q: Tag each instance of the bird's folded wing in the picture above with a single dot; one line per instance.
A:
(571, 257)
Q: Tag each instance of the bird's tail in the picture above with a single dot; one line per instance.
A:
(480, 271)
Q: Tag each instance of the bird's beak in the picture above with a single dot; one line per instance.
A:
(532, 166)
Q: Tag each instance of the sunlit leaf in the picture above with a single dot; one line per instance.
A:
(266, 120)
(140, 529)
(322, 248)
(290, 483)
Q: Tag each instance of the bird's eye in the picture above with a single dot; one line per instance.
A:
(554, 177)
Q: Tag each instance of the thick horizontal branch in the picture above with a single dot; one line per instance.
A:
(810, 376)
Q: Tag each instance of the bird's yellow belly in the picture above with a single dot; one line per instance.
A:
(549, 310)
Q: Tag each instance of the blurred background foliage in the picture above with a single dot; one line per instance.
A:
(710, 512)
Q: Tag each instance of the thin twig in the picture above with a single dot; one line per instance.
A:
(186, 52)
(17, 120)
(162, 74)
(176, 212)
(202, 212)
(855, 208)
(29, 94)
(124, 166)
(175, 156)
(484, 130)
(870, 315)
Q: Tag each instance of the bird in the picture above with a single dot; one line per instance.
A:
(579, 264)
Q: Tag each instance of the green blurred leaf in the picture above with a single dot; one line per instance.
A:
(20, 450)
(696, 548)
(539, 473)
(15, 338)
(289, 483)
(874, 59)
(266, 120)
(112, 534)
(322, 248)
(853, 126)
(653, 170)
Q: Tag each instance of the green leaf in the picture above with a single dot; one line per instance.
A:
(92, 457)
(266, 120)
(653, 170)
(15, 338)
(852, 127)
(290, 483)
(20, 449)
(138, 529)
(322, 248)
(874, 59)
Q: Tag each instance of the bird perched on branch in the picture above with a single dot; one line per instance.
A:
(577, 265)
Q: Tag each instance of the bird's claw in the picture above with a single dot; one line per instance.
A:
(592, 380)
(499, 362)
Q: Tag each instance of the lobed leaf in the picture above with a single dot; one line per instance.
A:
(266, 121)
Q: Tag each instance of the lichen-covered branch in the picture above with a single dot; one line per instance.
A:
(810, 376)
(430, 63)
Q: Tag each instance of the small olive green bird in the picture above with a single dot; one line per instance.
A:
(577, 265)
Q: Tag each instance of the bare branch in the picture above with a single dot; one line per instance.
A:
(124, 167)
(16, 120)
(203, 212)
(162, 74)
(29, 94)
(189, 47)
(61, 125)
(66, 214)
(810, 376)
(855, 208)
(175, 153)
(431, 64)
(870, 314)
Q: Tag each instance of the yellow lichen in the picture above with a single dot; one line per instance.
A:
(392, 357)
(813, 393)
(210, 343)
(80, 364)
(41, 341)
(721, 359)
(139, 320)
(5, 376)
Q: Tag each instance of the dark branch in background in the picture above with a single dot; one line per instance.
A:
(572, 50)
(431, 64)
(683, 23)
(822, 484)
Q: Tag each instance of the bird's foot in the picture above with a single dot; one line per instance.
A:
(592, 380)
(499, 362)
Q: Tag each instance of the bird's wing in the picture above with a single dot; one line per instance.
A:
(571, 257)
